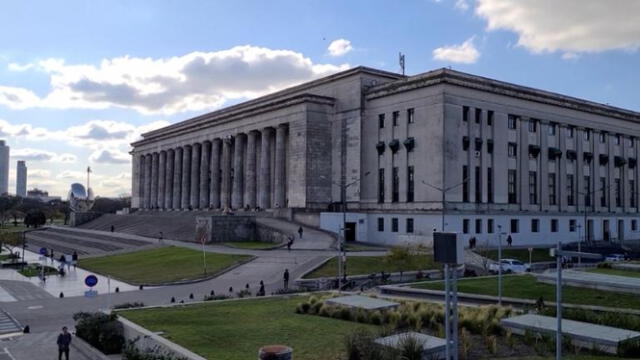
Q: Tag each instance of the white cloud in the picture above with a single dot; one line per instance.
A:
(20, 67)
(38, 155)
(107, 156)
(339, 47)
(195, 81)
(39, 174)
(465, 53)
(568, 26)
(462, 5)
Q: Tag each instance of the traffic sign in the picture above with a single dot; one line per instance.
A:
(91, 280)
(43, 251)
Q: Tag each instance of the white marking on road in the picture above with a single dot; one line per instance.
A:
(6, 351)
(35, 307)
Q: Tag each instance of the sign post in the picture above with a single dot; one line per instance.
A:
(43, 258)
(203, 240)
(530, 252)
(90, 281)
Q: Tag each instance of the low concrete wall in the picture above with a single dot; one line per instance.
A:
(79, 218)
(307, 218)
(268, 234)
(235, 228)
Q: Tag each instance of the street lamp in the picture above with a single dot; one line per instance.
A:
(443, 191)
(500, 265)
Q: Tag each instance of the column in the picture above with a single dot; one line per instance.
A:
(238, 172)
(280, 167)
(186, 176)
(204, 175)
(194, 198)
(250, 174)
(264, 186)
(214, 196)
(168, 181)
(226, 173)
(147, 181)
(154, 180)
(162, 164)
(177, 178)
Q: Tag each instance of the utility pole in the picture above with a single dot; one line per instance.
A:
(500, 265)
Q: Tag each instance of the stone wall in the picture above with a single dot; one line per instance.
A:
(235, 228)
(79, 218)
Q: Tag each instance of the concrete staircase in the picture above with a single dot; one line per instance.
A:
(66, 241)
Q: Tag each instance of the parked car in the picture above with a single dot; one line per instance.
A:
(614, 257)
(509, 266)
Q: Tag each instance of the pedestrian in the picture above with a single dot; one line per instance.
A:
(64, 340)
(509, 240)
(286, 279)
(52, 255)
(300, 231)
(74, 259)
(290, 242)
(261, 292)
(113, 228)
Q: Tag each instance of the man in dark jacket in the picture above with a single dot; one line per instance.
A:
(64, 340)
(286, 279)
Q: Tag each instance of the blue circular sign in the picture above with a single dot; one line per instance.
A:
(91, 280)
(43, 251)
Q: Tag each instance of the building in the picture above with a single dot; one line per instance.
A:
(516, 160)
(4, 167)
(21, 179)
(42, 195)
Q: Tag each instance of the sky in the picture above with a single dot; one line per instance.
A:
(81, 80)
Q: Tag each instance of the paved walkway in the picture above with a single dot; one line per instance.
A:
(591, 280)
(43, 346)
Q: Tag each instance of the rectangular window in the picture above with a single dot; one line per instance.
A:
(465, 184)
(587, 190)
(634, 225)
(465, 113)
(535, 225)
(478, 179)
(632, 193)
(511, 186)
(533, 187)
(381, 121)
(478, 226)
(410, 116)
(533, 125)
(409, 225)
(631, 142)
(570, 190)
(554, 225)
(478, 115)
(490, 118)
(512, 149)
(489, 226)
(410, 182)
(512, 121)
(465, 143)
(586, 134)
(380, 185)
(380, 224)
(552, 128)
(618, 192)
(603, 136)
(514, 226)
(465, 226)
(552, 189)
(572, 225)
(570, 131)
(618, 139)
(394, 224)
(395, 184)
(603, 192)
(489, 185)
(394, 117)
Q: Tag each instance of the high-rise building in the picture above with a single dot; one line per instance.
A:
(4, 168)
(21, 179)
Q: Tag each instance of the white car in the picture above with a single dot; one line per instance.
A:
(510, 266)
(614, 257)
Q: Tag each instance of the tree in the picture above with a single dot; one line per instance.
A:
(16, 214)
(35, 218)
(7, 203)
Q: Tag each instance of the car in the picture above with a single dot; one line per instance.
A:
(510, 266)
(614, 257)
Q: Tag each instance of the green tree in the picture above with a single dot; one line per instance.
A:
(7, 204)
(35, 218)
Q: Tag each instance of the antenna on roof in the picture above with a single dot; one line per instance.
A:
(401, 60)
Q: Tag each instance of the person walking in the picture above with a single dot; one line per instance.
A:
(74, 259)
(113, 228)
(64, 340)
(300, 231)
(289, 242)
(286, 279)
(261, 292)
(509, 240)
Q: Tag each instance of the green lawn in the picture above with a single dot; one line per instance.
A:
(617, 272)
(537, 255)
(235, 330)
(526, 287)
(252, 245)
(161, 265)
(363, 265)
(36, 270)
(354, 246)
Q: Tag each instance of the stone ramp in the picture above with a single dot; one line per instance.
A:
(312, 239)
(43, 346)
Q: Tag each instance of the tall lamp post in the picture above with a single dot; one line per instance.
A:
(443, 192)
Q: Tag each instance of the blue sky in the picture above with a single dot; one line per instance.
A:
(79, 82)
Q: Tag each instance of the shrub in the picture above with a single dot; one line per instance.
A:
(375, 318)
(243, 293)
(604, 265)
(492, 344)
(131, 352)
(129, 305)
(102, 331)
(629, 348)
(215, 297)
(410, 348)
(465, 343)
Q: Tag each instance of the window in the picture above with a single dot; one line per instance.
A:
(586, 134)
(380, 185)
(410, 181)
(478, 178)
(478, 115)
(618, 139)
(511, 186)
(478, 226)
(465, 226)
(512, 122)
(552, 189)
(572, 225)
(535, 225)
(409, 225)
(533, 187)
(381, 121)
(380, 224)
(512, 149)
(603, 192)
(489, 226)
(570, 131)
(465, 184)
(465, 113)
(570, 190)
(395, 184)
(465, 143)
(394, 117)
(634, 225)
(514, 226)
(631, 142)
(618, 192)
(410, 114)
(603, 137)
(533, 125)
(489, 185)
(587, 190)
(394, 224)
(632, 193)
(490, 118)
(554, 225)
(552, 128)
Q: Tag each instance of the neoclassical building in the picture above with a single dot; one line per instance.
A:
(515, 160)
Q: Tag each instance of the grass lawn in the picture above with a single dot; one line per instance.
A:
(526, 287)
(36, 270)
(354, 246)
(363, 265)
(617, 272)
(537, 255)
(161, 265)
(252, 245)
(235, 330)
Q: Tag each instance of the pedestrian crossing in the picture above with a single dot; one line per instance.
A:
(8, 325)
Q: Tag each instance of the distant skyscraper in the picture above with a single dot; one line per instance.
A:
(21, 179)
(4, 168)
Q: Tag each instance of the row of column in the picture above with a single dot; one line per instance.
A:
(232, 172)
